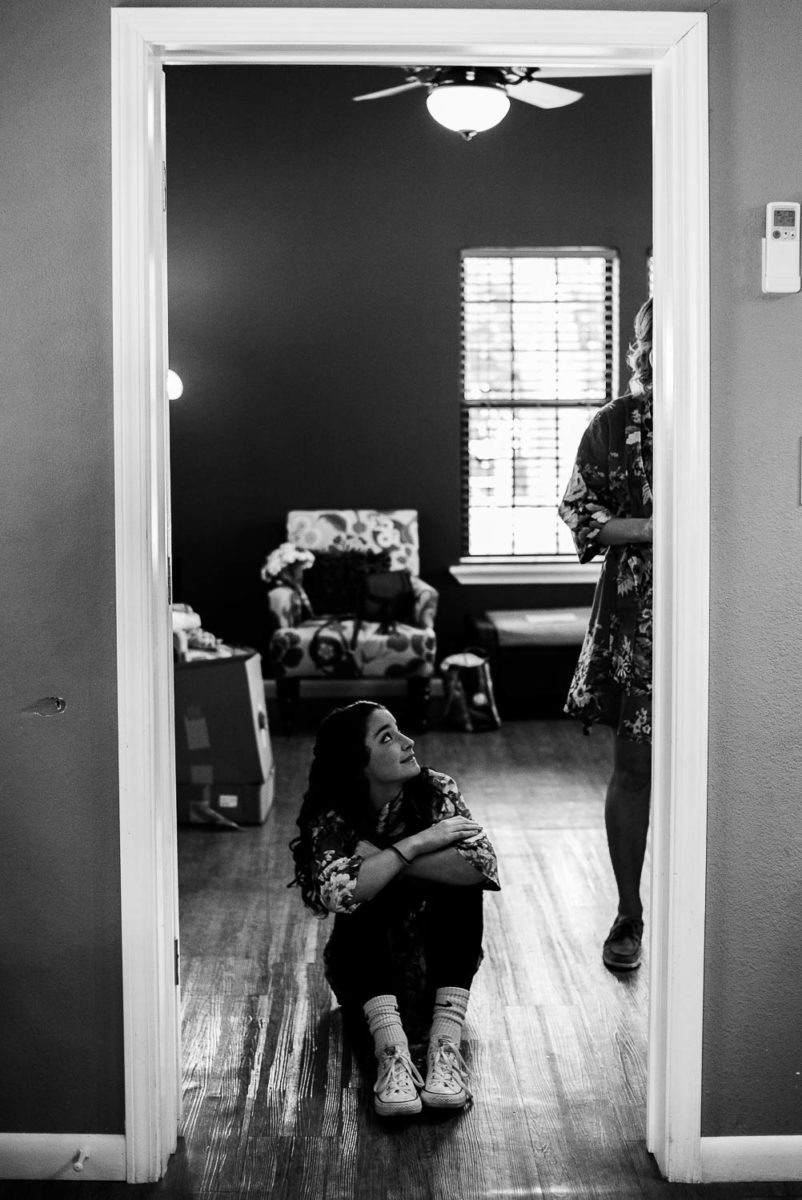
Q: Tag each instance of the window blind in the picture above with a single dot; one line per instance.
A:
(539, 355)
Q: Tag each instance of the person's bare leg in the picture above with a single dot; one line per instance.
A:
(626, 815)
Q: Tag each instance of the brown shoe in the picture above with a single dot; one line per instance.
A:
(622, 946)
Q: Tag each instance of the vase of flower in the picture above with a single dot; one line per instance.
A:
(283, 573)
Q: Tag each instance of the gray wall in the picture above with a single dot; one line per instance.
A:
(753, 1034)
(59, 850)
(59, 857)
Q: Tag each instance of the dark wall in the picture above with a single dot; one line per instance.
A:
(314, 259)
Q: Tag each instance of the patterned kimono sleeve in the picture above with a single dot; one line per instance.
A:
(335, 871)
(588, 500)
(448, 802)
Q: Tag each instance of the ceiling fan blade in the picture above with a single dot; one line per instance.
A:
(403, 87)
(542, 95)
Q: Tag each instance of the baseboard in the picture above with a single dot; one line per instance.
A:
(749, 1159)
(358, 688)
(56, 1155)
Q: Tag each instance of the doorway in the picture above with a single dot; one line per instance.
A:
(264, 262)
(673, 47)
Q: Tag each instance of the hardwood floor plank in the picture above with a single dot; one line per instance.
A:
(278, 1102)
(556, 1043)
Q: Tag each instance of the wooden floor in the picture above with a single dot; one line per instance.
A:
(277, 1105)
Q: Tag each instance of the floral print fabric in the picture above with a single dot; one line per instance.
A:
(306, 647)
(394, 531)
(289, 605)
(612, 477)
(328, 648)
(337, 868)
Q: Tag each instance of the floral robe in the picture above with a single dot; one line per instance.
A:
(336, 868)
(612, 477)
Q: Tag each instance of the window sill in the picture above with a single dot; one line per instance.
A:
(479, 571)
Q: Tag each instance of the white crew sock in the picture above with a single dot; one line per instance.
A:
(384, 1023)
(450, 1007)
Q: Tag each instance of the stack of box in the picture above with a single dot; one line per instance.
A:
(223, 756)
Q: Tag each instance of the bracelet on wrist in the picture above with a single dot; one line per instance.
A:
(406, 861)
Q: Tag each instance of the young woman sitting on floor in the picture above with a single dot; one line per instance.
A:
(391, 848)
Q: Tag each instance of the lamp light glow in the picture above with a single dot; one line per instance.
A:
(175, 387)
(468, 108)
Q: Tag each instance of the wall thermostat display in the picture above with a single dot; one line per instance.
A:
(781, 272)
(783, 222)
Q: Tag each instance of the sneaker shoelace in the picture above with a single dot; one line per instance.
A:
(398, 1075)
(447, 1068)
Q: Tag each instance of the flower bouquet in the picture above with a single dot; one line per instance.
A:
(286, 564)
(284, 568)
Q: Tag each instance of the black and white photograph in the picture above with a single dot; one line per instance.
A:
(403, 536)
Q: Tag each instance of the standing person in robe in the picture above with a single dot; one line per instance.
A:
(608, 508)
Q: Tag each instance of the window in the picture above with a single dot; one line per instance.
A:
(539, 356)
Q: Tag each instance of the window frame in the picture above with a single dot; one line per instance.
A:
(545, 567)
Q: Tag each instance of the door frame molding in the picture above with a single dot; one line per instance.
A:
(673, 46)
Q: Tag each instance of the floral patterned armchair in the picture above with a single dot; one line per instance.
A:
(329, 632)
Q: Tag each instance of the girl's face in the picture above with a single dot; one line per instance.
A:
(392, 757)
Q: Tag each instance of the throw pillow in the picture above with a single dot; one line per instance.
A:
(334, 582)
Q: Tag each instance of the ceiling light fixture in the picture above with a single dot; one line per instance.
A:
(469, 100)
(468, 105)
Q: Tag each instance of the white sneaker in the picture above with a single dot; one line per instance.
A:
(396, 1089)
(446, 1077)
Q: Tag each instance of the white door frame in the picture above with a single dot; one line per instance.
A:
(674, 47)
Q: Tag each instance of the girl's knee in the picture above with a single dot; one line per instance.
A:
(459, 903)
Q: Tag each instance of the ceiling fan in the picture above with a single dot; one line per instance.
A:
(469, 100)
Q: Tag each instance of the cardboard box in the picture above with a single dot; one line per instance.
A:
(219, 803)
(221, 730)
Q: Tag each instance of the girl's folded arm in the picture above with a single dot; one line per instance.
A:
(445, 866)
(478, 858)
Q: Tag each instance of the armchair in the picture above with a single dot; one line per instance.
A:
(337, 636)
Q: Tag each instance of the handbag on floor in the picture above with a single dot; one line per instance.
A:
(468, 685)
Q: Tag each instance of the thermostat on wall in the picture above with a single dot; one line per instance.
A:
(781, 247)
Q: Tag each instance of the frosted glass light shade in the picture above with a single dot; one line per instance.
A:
(175, 387)
(468, 108)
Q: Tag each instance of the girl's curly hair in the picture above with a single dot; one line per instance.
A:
(337, 783)
(639, 351)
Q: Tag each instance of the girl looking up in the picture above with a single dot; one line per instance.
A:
(391, 849)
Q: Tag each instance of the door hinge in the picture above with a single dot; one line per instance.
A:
(177, 962)
(164, 187)
(169, 581)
